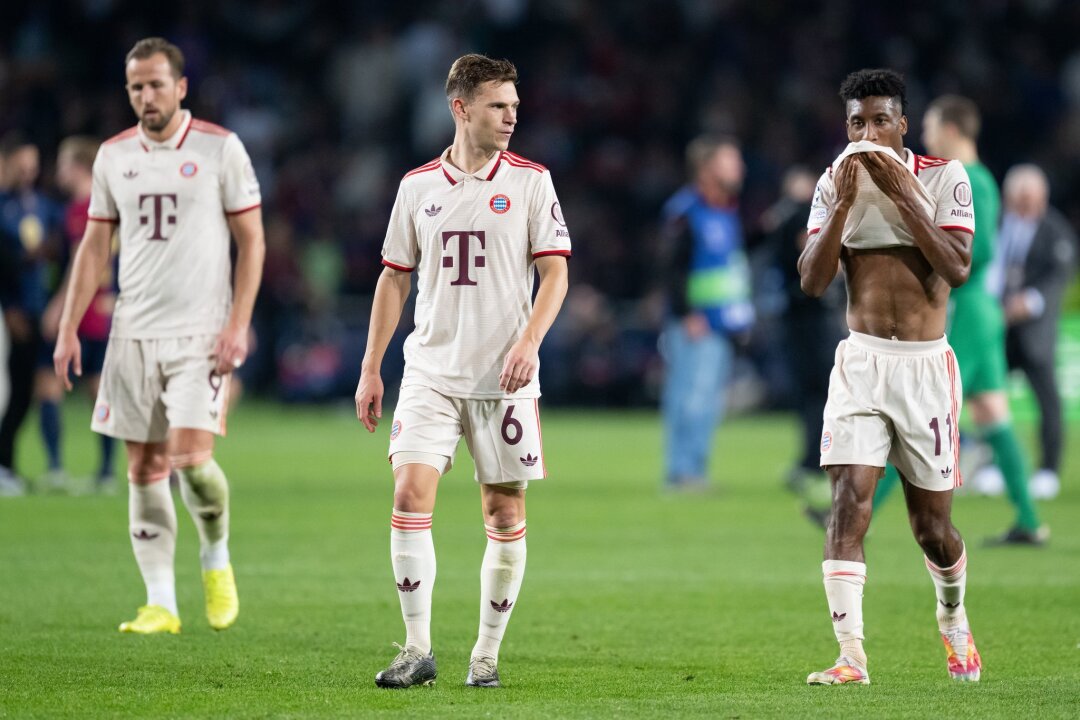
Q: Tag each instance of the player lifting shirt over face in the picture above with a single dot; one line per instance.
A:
(474, 224)
(900, 225)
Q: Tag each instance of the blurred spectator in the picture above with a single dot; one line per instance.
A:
(707, 282)
(30, 222)
(1038, 260)
(812, 326)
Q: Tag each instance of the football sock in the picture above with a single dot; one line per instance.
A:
(885, 486)
(501, 574)
(950, 583)
(50, 431)
(844, 582)
(152, 522)
(206, 494)
(1010, 458)
(412, 553)
(105, 470)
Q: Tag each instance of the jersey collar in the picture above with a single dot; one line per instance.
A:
(454, 175)
(170, 143)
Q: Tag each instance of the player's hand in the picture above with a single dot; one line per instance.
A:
(520, 366)
(68, 353)
(231, 349)
(887, 174)
(369, 395)
(846, 181)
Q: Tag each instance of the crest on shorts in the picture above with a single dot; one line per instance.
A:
(826, 441)
(395, 429)
(189, 169)
(499, 204)
(101, 412)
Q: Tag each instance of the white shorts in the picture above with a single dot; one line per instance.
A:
(503, 436)
(895, 402)
(149, 386)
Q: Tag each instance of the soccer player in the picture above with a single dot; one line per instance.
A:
(175, 188)
(976, 324)
(473, 223)
(74, 175)
(901, 226)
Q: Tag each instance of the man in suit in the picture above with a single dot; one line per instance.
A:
(1038, 259)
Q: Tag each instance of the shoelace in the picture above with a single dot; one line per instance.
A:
(483, 666)
(958, 640)
(403, 656)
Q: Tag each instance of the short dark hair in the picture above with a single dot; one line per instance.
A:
(471, 71)
(880, 82)
(959, 112)
(148, 47)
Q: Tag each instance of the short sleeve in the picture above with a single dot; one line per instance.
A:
(102, 203)
(955, 210)
(548, 234)
(400, 248)
(239, 185)
(821, 205)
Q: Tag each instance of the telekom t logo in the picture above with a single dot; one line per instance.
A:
(463, 255)
(157, 210)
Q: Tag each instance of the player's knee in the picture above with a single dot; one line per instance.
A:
(147, 467)
(205, 484)
(932, 533)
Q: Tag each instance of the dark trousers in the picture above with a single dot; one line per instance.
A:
(22, 363)
(1037, 363)
(813, 333)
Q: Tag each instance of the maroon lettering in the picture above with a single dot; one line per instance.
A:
(157, 210)
(464, 259)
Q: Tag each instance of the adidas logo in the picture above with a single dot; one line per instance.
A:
(406, 586)
(529, 460)
(143, 535)
(504, 607)
(131, 174)
(838, 617)
(433, 211)
(946, 473)
(951, 606)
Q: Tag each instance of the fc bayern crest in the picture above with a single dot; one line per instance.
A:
(102, 412)
(395, 429)
(500, 203)
(189, 169)
(826, 441)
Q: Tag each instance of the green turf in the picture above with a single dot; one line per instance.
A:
(635, 604)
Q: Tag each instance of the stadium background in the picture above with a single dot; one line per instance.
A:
(635, 605)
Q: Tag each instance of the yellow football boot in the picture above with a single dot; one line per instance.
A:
(152, 619)
(222, 603)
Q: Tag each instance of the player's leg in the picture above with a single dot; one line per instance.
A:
(990, 413)
(885, 486)
(1046, 483)
(423, 437)
(152, 525)
(22, 356)
(844, 570)
(946, 558)
(93, 362)
(49, 393)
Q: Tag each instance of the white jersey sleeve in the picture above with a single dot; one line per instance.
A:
(822, 204)
(400, 248)
(239, 185)
(102, 202)
(547, 227)
(952, 190)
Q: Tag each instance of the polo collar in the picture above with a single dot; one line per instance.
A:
(170, 143)
(455, 175)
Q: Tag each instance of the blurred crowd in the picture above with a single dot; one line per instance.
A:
(335, 101)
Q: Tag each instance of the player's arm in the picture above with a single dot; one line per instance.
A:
(91, 260)
(820, 259)
(947, 251)
(524, 355)
(391, 292)
(232, 344)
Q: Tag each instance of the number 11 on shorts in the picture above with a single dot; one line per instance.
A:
(937, 433)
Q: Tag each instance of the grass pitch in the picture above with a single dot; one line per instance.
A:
(635, 604)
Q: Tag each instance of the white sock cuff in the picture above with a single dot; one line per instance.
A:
(408, 522)
(854, 572)
(949, 574)
(507, 534)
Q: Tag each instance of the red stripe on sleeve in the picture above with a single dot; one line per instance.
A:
(394, 266)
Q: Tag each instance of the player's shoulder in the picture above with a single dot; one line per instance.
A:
(427, 172)
(125, 141)
(928, 166)
(520, 163)
(207, 136)
(208, 128)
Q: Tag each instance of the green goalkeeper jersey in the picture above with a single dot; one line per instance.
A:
(986, 202)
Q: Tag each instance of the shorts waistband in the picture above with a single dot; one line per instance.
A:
(910, 348)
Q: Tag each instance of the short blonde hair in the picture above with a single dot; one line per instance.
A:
(81, 148)
(471, 71)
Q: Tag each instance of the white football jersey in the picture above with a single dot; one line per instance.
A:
(472, 240)
(877, 225)
(171, 201)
